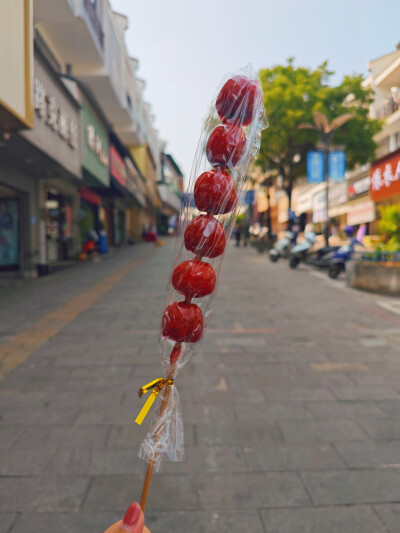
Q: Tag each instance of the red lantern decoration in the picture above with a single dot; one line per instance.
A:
(205, 236)
(194, 279)
(215, 193)
(226, 146)
(183, 322)
(236, 100)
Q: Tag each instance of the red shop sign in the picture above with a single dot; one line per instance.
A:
(385, 177)
(89, 195)
(117, 166)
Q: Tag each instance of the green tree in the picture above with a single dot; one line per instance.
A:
(291, 94)
(389, 226)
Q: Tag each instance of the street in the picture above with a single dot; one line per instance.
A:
(291, 410)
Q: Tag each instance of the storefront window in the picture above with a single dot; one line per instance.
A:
(9, 233)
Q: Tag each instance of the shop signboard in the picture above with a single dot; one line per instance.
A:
(385, 177)
(94, 148)
(56, 130)
(361, 213)
(358, 188)
(134, 183)
(117, 166)
(319, 207)
(16, 109)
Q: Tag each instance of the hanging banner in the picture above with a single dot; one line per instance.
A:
(315, 167)
(337, 165)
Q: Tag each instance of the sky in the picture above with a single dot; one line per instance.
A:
(185, 48)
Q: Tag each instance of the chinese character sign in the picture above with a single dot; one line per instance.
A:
(315, 167)
(385, 177)
(337, 165)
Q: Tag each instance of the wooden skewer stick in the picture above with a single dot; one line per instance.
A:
(150, 464)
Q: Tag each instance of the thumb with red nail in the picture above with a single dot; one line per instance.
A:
(133, 521)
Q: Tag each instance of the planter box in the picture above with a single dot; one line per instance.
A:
(373, 277)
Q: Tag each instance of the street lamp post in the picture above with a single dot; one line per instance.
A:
(326, 129)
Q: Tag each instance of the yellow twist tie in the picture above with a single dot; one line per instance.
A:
(157, 385)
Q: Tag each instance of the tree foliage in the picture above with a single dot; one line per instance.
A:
(291, 94)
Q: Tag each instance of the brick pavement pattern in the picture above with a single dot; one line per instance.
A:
(292, 409)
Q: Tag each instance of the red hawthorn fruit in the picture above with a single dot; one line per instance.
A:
(236, 100)
(226, 146)
(215, 193)
(183, 322)
(194, 278)
(205, 236)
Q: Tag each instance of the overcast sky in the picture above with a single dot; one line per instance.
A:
(186, 46)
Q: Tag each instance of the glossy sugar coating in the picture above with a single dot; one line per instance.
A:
(215, 193)
(194, 278)
(183, 322)
(226, 146)
(236, 100)
(205, 236)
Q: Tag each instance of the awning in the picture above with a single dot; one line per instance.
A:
(89, 195)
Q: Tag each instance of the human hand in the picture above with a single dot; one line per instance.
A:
(133, 521)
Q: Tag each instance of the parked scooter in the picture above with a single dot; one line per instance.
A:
(282, 247)
(299, 252)
(340, 258)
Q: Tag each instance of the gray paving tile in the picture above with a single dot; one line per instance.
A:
(365, 393)
(63, 437)
(320, 430)
(111, 493)
(24, 462)
(64, 522)
(389, 407)
(8, 436)
(295, 394)
(381, 428)
(6, 520)
(369, 453)
(390, 515)
(292, 456)
(354, 519)
(345, 409)
(352, 486)
(238, 433)
(231, 521)
(92, 462)
(251, 490)
(273, 411)
(42, 493)
(208, 459)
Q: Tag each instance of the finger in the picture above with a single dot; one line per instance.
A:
(133, 520)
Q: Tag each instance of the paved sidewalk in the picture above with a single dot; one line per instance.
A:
(292, 411)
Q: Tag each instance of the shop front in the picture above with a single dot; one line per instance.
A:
(96, 179)
(385, 180)
(40, 171)
(137, 217)
(361, 210)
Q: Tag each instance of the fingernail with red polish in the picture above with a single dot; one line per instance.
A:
(131, 516)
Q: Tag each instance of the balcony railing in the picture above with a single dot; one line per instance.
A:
(90, 7)
(389, 107)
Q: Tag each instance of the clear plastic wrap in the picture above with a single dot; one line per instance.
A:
(229, 141)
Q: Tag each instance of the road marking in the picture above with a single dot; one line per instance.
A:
(21, 346)
(338, 367)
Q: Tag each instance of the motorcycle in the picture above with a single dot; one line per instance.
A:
(321, 258)
(299, 252)
(340, 258)
(282, 247)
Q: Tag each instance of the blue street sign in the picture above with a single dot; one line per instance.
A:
(249, 198)
(337, 165)
(315, 167)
